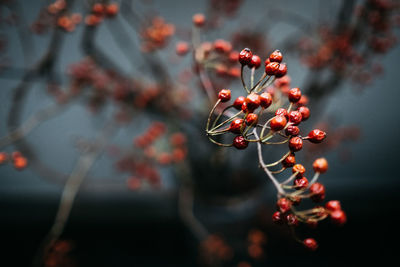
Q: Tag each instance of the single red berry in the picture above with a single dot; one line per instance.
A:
(292, 130)
(239, 102)
(253, 101)
(292, 220)
(303, 101)
(278, 123)
(233, 56)
(224, 95)
(310, 244)
(3, 157)
(289, 161)
(98, 8)
(282, 70)
(245, 56)
(112, 9)
(316, 136)
(20, 162)
(245, 108)
(305, 112)
(265, 100)
(294, 95)
(282, 112)
(236, 126)
(272, 68)
(338, 217)
(320, 165)
(199, 20)
(317, 191)
(255, 62)
(182, 48)
(333, 205)
(295, 117)
(251, 119)
(222, 46)
(300, 169)
(240, 142)
(284, 205)
(277, 217)
(276, 56)
(295, 144)
(300, 183)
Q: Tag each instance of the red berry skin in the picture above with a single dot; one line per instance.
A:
(265, 100)
(240, 143)
(305, 112)
(333, 205)
(295, 144)
(199, 20)
(338, 217)
(253, 101)
(245, 56)
(295, 117)
(284, 205)
(289, 161)
(292, 130)
(272, 68)
(282, 70)
(276, 56)
(320, 165)
(251, 119)
(300, 169)
(292, 220)
(224, 95)
(294, 95)
(317, 191)
(316, 136)
(282, 112)
(310, 244)
(239, 102)
(278, 123)
(300, 183)
(255, 62)
(236, 126)
(277, 217)
(234, 56)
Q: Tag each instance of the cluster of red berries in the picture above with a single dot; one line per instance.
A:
(256, 240)
(59, 255)
(214, 251)
(101, 11)
(156, 35)
(19, 161)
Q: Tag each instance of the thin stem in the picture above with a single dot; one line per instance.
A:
(241, 77)
(211, 112)
(252, 77)
(278, 161)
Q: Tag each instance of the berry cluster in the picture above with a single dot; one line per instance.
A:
(156, 34)
(249, 124)
(18, 160)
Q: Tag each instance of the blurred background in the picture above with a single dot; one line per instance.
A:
(108, 100)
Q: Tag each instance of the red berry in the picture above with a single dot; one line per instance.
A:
(292, 220)
(265, 100)
(316, 136)
(240, 143)
(338, 217)
(295, 144)
(236, 126)
(333, 205)
(300, 183)
(20, 162)
(199, 20)
(282, 70)
(182, 48)
(253, 101)
(112, 9)
(281, 112)
(239, 102)
(284, 205)
(305, 112)
(277, 217)
(224, 95)
(255, 62)
(272, 68)
(294, 95)
(276, 56)
(300, 169)
(98, 8)
(317, 191)
(245, 56)
(278, 123)
(292, 130)
(295, 117)
(251, 119)
(310, 244)
(3, 157)
(289, 161)
(233, 56)
(320, 165)
(295, 200)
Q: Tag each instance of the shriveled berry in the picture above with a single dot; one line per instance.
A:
(272, 68)
(294, 95)
(253, 101)
(245, 56)
(239, 102)
(300, 169)
(240, 143)
(283, 205)
(277, 217)
(236, 126)
(317, 192)
(292, 220)
(316, 136)
(265, 100)
(300, 183)
(292, 130)
(276, 56)
(255, 62)
(333, 205)
(251, 118)
(224, 95)
(295, 117)
(289, 161)
(278, 123)
(295, 144)
(310, 244)
(281, 112)
(320, 165)
(338, 217)
(305, 112)
(282, 70)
